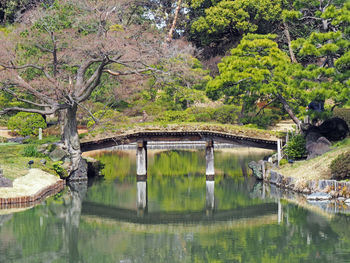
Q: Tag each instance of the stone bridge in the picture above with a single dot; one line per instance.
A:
(206, 136)
(179, 136)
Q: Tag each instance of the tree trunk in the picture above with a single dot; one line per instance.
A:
(78, 166)
(61, 115)
(291, 52)
(289, 110)
(241, 114)
(172, 28)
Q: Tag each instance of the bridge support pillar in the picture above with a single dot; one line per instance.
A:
(209, 158)
(280, 212)
(141, 160)
(141, 198)
(209, 196)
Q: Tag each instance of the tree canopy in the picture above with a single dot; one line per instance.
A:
(256, 70)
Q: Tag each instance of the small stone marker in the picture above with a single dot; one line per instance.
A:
(40, 134)
(4, 182)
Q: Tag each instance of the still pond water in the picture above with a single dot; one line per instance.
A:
(181, 221)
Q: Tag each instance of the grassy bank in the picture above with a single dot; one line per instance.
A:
(317, 168)
(15, 164)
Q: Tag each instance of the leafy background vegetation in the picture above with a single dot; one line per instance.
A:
(223, 65)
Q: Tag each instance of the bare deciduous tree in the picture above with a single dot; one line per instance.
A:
(56, 65)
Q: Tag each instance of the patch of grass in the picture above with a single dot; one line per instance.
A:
(345, 142)
(31, 151)
(16, 165)
(47, 139)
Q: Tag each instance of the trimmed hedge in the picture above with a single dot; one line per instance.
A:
(340, 166)
(342, 113)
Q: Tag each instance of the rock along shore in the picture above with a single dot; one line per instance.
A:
(334, 188)
(30, 189)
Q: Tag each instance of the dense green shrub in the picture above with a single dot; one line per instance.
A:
(226, 114)
(340, 166)
(202, 114)
(25, 123)
(296, 147)
(176, 116)
(31, 151)
(268, 118)
(3, 139)
(343, 114)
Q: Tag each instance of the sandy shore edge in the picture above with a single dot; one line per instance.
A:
(30, 189)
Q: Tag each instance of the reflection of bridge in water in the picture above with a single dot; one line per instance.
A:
(133, 216)
(208, 215)
(155, 136)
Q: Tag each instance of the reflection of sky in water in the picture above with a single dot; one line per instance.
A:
(70, 229)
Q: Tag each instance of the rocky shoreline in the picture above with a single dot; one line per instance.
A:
(314, 189)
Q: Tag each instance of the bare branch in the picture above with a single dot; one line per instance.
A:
(43, 48)
(310, 17)
(47, 75)
(241, 80)
(119, 73)
(92, 82)
(42, 112)
(266, 105)
(19, 81)
(23, 100)
(82, 70)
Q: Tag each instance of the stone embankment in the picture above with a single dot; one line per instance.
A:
(333, 188)
(30, 189)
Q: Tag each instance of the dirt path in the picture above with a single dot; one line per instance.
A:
(4, 132)
(283, 126)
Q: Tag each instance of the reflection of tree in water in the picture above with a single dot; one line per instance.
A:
(121, 164)
(63, 236)
(45, 233)
(72, 220)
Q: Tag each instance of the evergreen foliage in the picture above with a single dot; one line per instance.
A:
(296, 147)
(25, 123)
(256, 70)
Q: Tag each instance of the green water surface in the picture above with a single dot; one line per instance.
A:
(102, 222)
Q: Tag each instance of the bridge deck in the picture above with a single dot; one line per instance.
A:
(178, 136)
